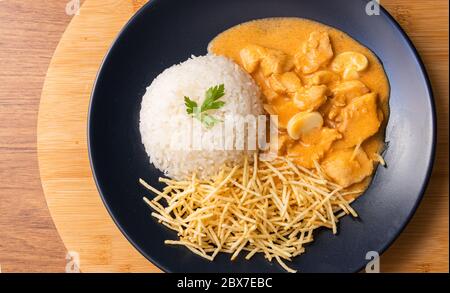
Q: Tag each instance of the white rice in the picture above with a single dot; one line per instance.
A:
(164, 122)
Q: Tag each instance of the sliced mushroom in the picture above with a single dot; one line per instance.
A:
(349, 64)
(303, 122)
(350, 74)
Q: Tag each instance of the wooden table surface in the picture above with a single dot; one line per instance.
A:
(29, 33)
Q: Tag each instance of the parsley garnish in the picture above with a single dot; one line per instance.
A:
(212, 95)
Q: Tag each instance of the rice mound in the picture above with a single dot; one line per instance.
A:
(164, 121)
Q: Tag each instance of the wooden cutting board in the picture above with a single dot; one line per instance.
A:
(76, 208)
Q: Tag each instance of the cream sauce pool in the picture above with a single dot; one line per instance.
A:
(346, 147)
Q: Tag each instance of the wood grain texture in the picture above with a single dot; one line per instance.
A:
(423, 246)
(79, 215)
(29, 33)
(74, 203)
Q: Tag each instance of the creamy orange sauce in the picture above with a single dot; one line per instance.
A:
(351, 96)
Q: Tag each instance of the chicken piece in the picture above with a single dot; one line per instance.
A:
(325, 77)
(288, 64)
(276, 83)
(265, 86)
(269, 94)
(343, 94)
(287, 82)
(348, 90)
(349, 64)
(315, 53)
(273, 61)
(347, 166)
(358, 120)
(251, 56)
(312, 98)
(312, 146)
(291, 82)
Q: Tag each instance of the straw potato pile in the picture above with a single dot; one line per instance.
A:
(270, 207)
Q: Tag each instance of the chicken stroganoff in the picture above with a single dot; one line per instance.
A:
(329, 92)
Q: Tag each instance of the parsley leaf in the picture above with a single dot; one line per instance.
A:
(212, 95)
(208, 120)
(190, 105)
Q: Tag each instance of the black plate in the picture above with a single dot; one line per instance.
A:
(165, 32)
